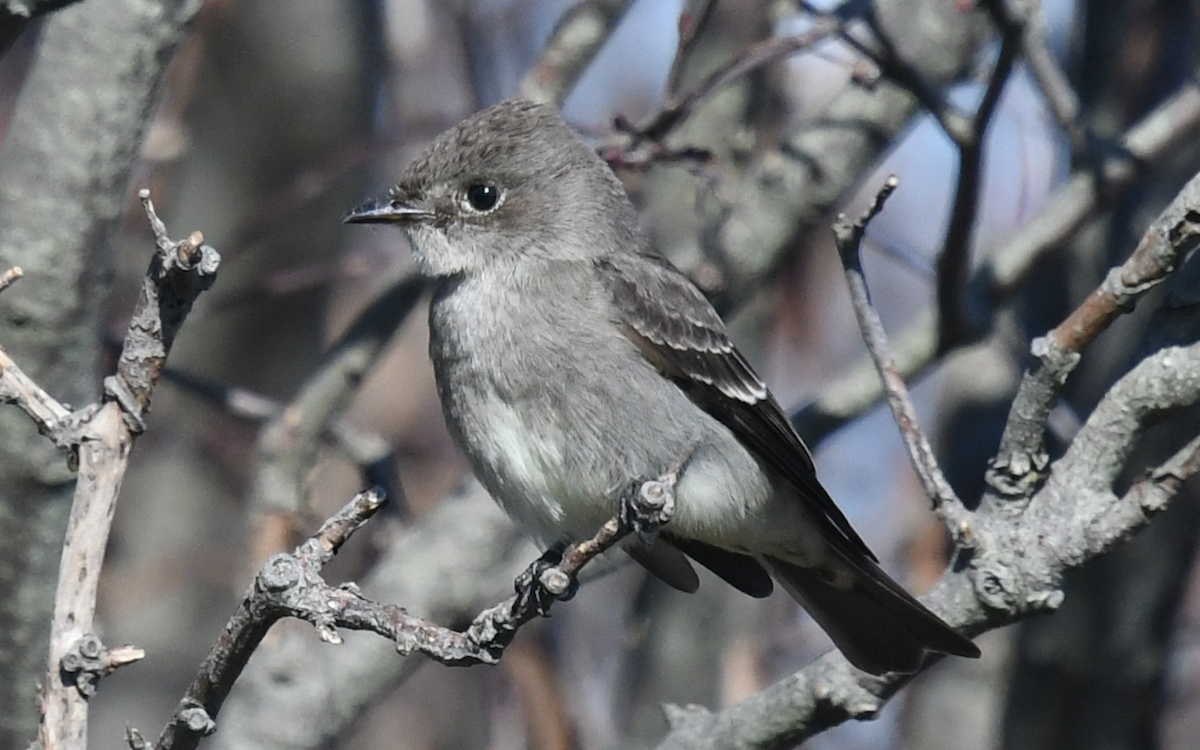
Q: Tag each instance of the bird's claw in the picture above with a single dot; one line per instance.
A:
(543, 583)
(649, 505)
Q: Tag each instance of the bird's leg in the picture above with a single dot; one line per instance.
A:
(542, 582)
(646, 506)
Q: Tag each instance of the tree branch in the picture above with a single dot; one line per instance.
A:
(1151, 141)
(102, 436)
(954, 260)
(1014, 571)
(579, 35)
(1021, 460)
(291, 586)
(945, 502)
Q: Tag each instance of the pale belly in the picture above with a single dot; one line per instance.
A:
(558, 435)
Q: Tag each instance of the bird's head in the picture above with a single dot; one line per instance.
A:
(510, 184)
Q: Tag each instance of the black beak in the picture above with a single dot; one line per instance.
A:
(386, 211)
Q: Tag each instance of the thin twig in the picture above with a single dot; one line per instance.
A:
(1163, 483)
(848, 236)
(51, 417)
(954, 260)
(1056, 88)
(1000, 275)
(907, 75)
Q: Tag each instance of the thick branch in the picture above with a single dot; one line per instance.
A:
(1021, 458)
(1015, 572)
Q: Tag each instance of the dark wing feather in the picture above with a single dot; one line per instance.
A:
(679, 332)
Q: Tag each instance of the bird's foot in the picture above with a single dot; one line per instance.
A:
(543, 583)
(647, 506)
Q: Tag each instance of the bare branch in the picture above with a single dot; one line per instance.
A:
(51, 417)
(291, 586)
(1055, 86)
(789, 189)
(1157, 489)
(679, 108)
(692, 21)
(178, 274)
(1021, 460)
(10, 277)
(579, 35)
(1167, 379)
(1149, 142)
(103, 437)
(196, 711)
(954, 261)
(849, 241)
(1015, 571)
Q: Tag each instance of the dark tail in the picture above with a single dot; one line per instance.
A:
(878, 625)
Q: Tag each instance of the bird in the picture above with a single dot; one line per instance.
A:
(572, 359)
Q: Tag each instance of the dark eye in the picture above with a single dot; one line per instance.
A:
(483, 197)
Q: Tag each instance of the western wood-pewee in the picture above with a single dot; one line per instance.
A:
(572, 360)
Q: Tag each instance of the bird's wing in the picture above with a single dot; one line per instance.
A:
(679, 332)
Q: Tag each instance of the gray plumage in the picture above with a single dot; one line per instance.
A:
(572, 361)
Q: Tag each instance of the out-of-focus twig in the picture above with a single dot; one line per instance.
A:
(369, 451)
(954, 260)
(1051, 79)
(786, 190)
(692, 20)
(849, 235)
(680, 107)
(289, 442)
(579, 35)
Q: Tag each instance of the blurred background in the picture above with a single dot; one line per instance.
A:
(275, 119)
